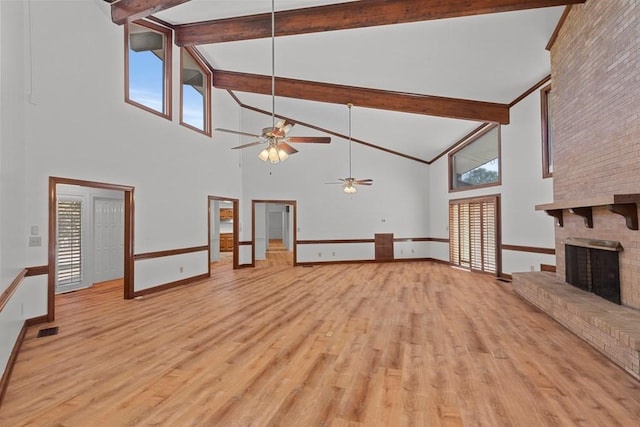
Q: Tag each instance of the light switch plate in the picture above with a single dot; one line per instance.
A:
(35, 230)
(35, 241)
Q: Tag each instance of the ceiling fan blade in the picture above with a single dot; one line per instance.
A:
(364, 181)
(310, 139)
(286, 148)
(339, 183)
(251, 144)
(237, 132)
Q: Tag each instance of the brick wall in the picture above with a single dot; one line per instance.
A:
(595, 70)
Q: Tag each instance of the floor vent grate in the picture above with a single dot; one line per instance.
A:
(48, 332)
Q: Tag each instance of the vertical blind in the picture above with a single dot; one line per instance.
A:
(472, 234)
(69, 242)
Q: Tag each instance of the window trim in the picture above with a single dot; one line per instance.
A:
(168, 47)
(207, 95)
(545, 98)
(468, 142)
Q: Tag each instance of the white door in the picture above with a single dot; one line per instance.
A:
(70, 241)
(108, 232)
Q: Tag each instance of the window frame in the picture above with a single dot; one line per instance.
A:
(468, 142)
(547, 156)
(167, 65)
(207, 95)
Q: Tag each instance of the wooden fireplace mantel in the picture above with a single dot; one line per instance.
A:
(625, 205)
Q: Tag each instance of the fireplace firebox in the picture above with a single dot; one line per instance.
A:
(593, 265)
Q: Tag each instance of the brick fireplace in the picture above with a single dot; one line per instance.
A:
(595, 93)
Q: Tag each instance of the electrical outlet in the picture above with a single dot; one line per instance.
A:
(531, 267)
(412, 251)
(35, 241)
(401, 251)
(333, 254)
(319, 254)
(181, 269)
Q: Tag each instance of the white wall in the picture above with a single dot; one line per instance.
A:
(522, 188)
(86, 131)
(13, 225)
(396, 203)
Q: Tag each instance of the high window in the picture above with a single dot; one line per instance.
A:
(477, 163)
(547, 140)
(195, 92)
(473, 233)
(148, 67)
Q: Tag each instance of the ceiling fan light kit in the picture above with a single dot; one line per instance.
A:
(273, 154)
(278, 148)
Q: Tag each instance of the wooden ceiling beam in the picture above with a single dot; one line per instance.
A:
(341, 16)
(124, 11)
(364, 97)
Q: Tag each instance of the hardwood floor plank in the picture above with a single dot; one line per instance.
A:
(411, 344)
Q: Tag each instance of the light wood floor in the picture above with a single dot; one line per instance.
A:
(339, 345)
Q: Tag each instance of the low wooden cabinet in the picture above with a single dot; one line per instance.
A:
(384, 246)
(226, 242)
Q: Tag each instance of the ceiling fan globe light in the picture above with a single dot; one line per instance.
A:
(273, 155)
(264, 155)
(282, 155)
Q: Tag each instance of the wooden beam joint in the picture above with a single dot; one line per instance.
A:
(124, 11)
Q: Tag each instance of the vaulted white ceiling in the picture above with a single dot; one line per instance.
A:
(492, 57)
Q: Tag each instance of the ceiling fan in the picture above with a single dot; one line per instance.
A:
(349, 183)
(278, 148)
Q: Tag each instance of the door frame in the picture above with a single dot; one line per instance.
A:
(53, 224)
(236, 216)
(293, 203)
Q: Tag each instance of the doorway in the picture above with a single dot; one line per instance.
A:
(71, 260)
(223, 229)
(274, 228)
(90, 237)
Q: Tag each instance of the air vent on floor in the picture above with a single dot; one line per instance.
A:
(48, 332)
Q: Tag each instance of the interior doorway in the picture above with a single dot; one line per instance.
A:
(222, 234)
(90, 237)
(274, 228)
(88, 220)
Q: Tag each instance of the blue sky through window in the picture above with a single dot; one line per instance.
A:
(146, 79)
(192, 107)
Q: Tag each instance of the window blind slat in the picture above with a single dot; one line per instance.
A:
(69, 263)
(472, 234)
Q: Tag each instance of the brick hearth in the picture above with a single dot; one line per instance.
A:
(612, 329)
